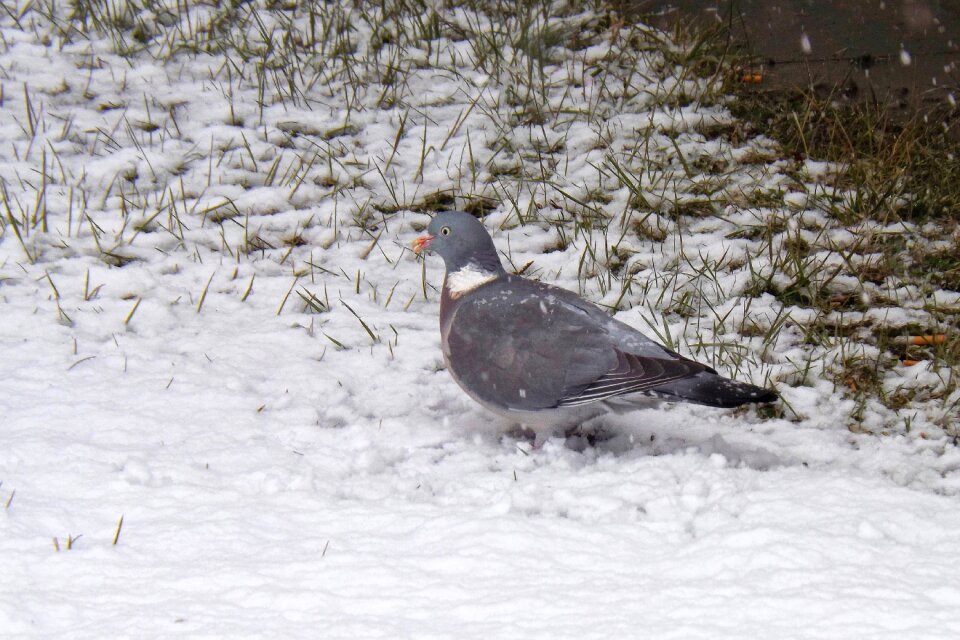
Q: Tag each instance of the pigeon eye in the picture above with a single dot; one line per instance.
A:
(445, 231)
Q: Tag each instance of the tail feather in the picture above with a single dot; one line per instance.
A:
(715, 391)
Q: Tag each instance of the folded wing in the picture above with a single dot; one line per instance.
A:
(524, 346)
(633, 374)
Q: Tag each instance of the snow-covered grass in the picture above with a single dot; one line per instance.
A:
(212, 326)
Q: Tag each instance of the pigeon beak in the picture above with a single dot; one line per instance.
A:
(422, 243)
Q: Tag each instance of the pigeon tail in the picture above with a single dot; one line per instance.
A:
(714, 391)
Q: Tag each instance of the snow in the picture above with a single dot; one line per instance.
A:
(906, 59)
(293, 470)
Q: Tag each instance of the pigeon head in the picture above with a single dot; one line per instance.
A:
(461, 240)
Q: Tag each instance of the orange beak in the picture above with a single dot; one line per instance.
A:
(422, 243)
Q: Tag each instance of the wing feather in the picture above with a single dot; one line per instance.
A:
(633, 374)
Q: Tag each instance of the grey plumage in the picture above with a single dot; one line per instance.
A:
(542, 355)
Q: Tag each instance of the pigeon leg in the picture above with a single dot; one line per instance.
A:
(536, 437)
(540, 437)
(586, 434)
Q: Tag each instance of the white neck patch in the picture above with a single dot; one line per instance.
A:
(467, 279)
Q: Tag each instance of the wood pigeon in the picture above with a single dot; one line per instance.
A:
(544, 357)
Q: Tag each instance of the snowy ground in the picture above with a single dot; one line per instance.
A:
(286, 469)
